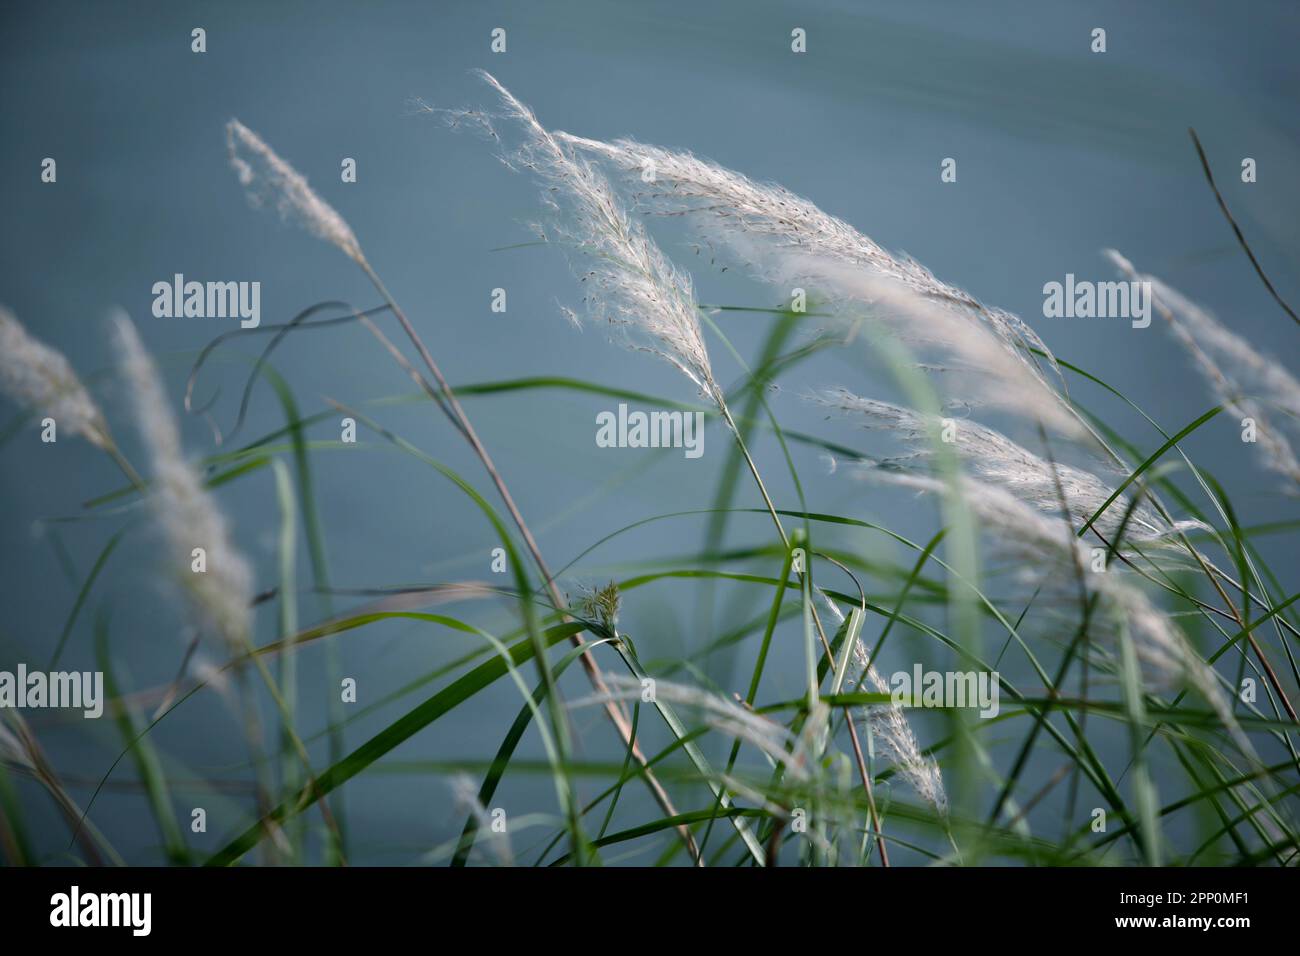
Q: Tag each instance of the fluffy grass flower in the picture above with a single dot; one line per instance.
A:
(631, 283)
(1244, 380)
(269, 179)
(189, 516)
(1052, 559)
(993, 458)
(39, 377)
(789, 241)
(889, 726)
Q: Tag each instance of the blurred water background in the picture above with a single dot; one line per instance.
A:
(1060, 152)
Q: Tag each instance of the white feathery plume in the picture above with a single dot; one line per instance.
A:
(189, 517)
(683, 184)
(720, 714)
(41, 378)
(465, 793)
(1052, 556)
(633, 284)
(991, 369)
(793, 240)
(1241, 378)
(269, 179)
(795, 753)
(993, 458)
(889, 726)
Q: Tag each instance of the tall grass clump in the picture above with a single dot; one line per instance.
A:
(1100, 576)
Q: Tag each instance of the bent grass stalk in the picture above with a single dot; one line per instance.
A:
(296, 198)
(640, 290)
(222, 593)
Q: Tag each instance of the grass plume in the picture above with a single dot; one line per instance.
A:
(1244, 380)
(187, 513)
(631, 283)
(268, 179)
(41, 378)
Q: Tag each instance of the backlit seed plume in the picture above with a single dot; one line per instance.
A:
(1052, 558)
(270, 180)
(222, 595)
(680, 183)
(979, 366)
(993, 458)
(1242, 379)
(630, 282)
(40, 378)
(723, 715)
(788, 238)
(889, 726)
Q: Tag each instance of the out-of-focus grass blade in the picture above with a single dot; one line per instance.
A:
(143, 753)
(290, 778)
(84, 592)
(507, 749)
(447, 699)
(1143, 787)
(695, 754)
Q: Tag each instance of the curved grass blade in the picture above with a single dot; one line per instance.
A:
(391, 736)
